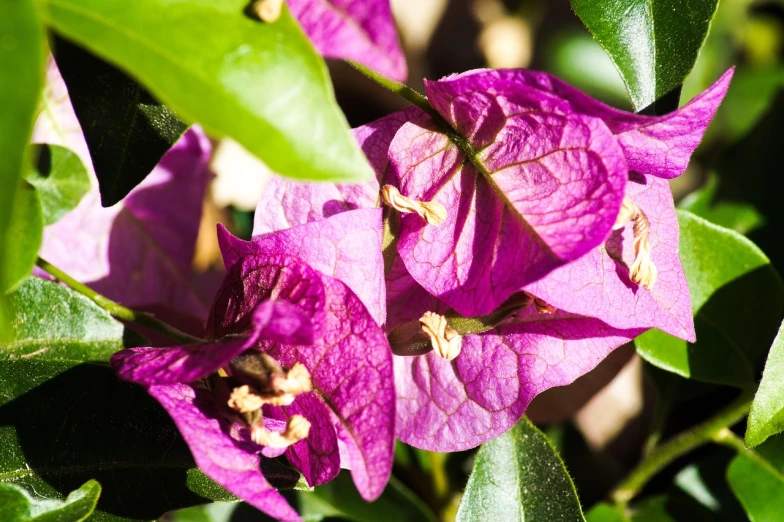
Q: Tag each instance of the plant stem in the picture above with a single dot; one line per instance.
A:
(117, 310)
(661, 457)
(401, 89)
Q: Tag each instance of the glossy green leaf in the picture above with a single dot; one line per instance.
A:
(60, 179)
(127, 130)
(17, 505)
(339, 498)
(519, 477)
(653, 43)
(757, 479)
(24, 234)
(213, 63)
(21, 51)
(767, 410)
(738, 300)
(738, 216)
(64, 421)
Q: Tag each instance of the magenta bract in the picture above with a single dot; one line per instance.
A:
(302, 321)
(359, 30)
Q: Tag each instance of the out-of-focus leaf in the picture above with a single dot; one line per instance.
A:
(738, 300)
(54, 323)
(213, 63)
(654, 44)
(126, 129)
(216, 512)
(705, 483)
(339, 498)
(604, 512)
(21, 52)
(740, 217)
(60, 179)
(757, 479)
(749, 98)
(24, 234)
(767, 410)
(17, 505)
(519, 476)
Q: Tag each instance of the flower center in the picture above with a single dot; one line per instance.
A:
(446, 342)
(643, 271)
(262, 380)
(432, 212)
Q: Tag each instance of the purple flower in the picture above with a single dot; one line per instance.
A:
(295, 365)
(544, 184)
(470, 376)
(359, 30)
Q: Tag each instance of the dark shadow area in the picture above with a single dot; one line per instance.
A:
(453, 44)
(86, 424)
(42, 156)
(666, 103)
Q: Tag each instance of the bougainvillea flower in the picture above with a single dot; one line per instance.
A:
(138, 252)
(539, 183)
(359, 30)
(303, 368)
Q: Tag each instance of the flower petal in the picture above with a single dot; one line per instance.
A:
(656, 145)
(350, 363)
(598, 284)
(346, 246)
(552, 191)
(219, 456)
(277, 321)
(285, 203)
(359, 30)
(316, 456)
(456, 405)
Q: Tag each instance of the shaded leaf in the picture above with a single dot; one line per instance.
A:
(21, 52)
(259, 83)
(339, 498)
(23, 235)
(60, 179)
(757, 479)
(654, 43)
(738, 216)
(767, 410)
(519, 476)
(19, 506)
(604, 512)
(738, 300)
(126, 129)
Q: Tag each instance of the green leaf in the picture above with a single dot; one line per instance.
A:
(64, 421)
(757, 479)
(740, 217)
(339, 498)
(653, 43)
(24, 235)
(127, 130)
(21, 51)
(519, 476)
(261, 84)
(19, 506)
(52, 322)
(767, 410)
(60, 179)
(738, 299)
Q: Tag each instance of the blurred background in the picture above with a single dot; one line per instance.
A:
(603, 422)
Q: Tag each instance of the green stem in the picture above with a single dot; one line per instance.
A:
(401, 89)
(661, 457)
(725, 437)
(117, 310)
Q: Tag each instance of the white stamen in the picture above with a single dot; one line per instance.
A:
(244, 401)
(268, 10)
(446, 342)
(432, 212)
(297, 428)
(643, 271)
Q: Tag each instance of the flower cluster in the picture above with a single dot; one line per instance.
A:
(512, 239)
